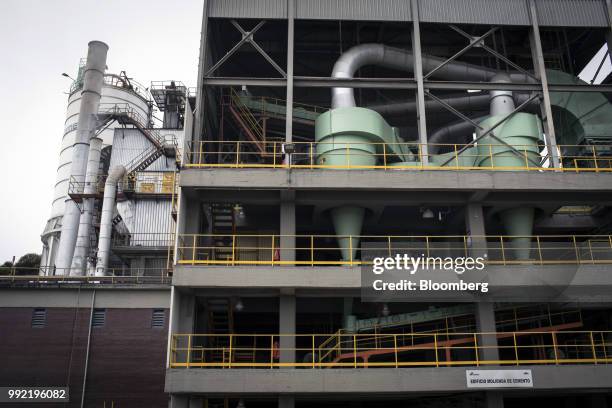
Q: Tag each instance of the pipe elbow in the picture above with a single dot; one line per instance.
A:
(115, 174)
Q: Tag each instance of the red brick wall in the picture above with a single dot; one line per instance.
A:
(126, 362)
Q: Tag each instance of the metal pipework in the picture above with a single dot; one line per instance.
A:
(106, 220)
(79, 261)
(93, 79)
(402, 60)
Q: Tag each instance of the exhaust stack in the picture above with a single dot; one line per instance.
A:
(93, 79)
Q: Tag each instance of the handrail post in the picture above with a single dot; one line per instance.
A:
(313, 351)
(272, 249)
(193, 254)
(476, 350)
(515, 348)
(554, 339)
(233, 249)
(539, 250)
(188, 350)
(354, 351)
(395, 348)
(312, 250)
(385, 155)
(351, 250)
(593, 347)
(436, 348)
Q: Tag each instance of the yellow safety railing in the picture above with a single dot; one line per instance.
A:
(395, 156)
(318, 250)
(391, 349)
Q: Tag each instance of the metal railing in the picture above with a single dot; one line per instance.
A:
(391, 349)
(143, 239)
(120, 82)
(319, 250)
(50, 275)
(395, 156)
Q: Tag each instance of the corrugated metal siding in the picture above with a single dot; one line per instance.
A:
(580, 13)
(129, 143)
(248, 8)
(507, 12)
(364, 10)
(152, 223)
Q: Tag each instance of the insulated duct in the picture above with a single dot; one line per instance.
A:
(106, 220)
(93, 79)
(403, 60)
(79, 261)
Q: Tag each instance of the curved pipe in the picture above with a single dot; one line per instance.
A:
(403, 60)
(106, 221)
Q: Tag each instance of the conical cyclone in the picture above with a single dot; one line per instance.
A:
(348, 221)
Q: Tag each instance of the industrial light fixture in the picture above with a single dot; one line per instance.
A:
(427, 214)
(239, 212)
(67, 76)
(240, 404)
(239, 306)
(385, 310)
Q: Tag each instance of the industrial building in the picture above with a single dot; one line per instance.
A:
(220, 256)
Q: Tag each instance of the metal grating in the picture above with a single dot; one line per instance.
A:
(158, 318)
(99, 318)
(39, 318)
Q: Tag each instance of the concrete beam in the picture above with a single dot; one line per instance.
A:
(106, 297)
(362, 381)
(587, 283)
(390, 180)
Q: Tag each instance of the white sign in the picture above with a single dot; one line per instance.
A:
(499, 378)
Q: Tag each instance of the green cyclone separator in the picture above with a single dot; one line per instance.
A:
(357, 137)
(523, 132)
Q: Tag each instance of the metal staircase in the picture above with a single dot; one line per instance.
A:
(247, 122)
(223, 228)
(220, 325)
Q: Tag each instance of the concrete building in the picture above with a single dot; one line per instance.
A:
(323, 134)
(325, 130)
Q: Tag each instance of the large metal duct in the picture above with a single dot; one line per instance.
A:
(79, 260)
(93, 79)
(403, 60)
(106, 220)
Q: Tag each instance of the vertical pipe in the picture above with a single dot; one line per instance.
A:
(290, 41)
(93, 78)
(106, 220)
(418, 76)
(79, 260)
(91, 313)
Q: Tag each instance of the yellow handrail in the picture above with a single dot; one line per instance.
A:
(393, 350)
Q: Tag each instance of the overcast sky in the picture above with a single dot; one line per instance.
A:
(40, 39)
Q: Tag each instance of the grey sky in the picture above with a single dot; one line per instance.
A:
(40, 39)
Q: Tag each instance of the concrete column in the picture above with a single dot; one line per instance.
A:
(286, 325)
(286, 401)
(418, 76)
(485, 323)
(474, 222)
(287, 226)
(540, 70)
(179, 401)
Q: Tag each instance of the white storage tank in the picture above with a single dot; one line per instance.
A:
(117, 90)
